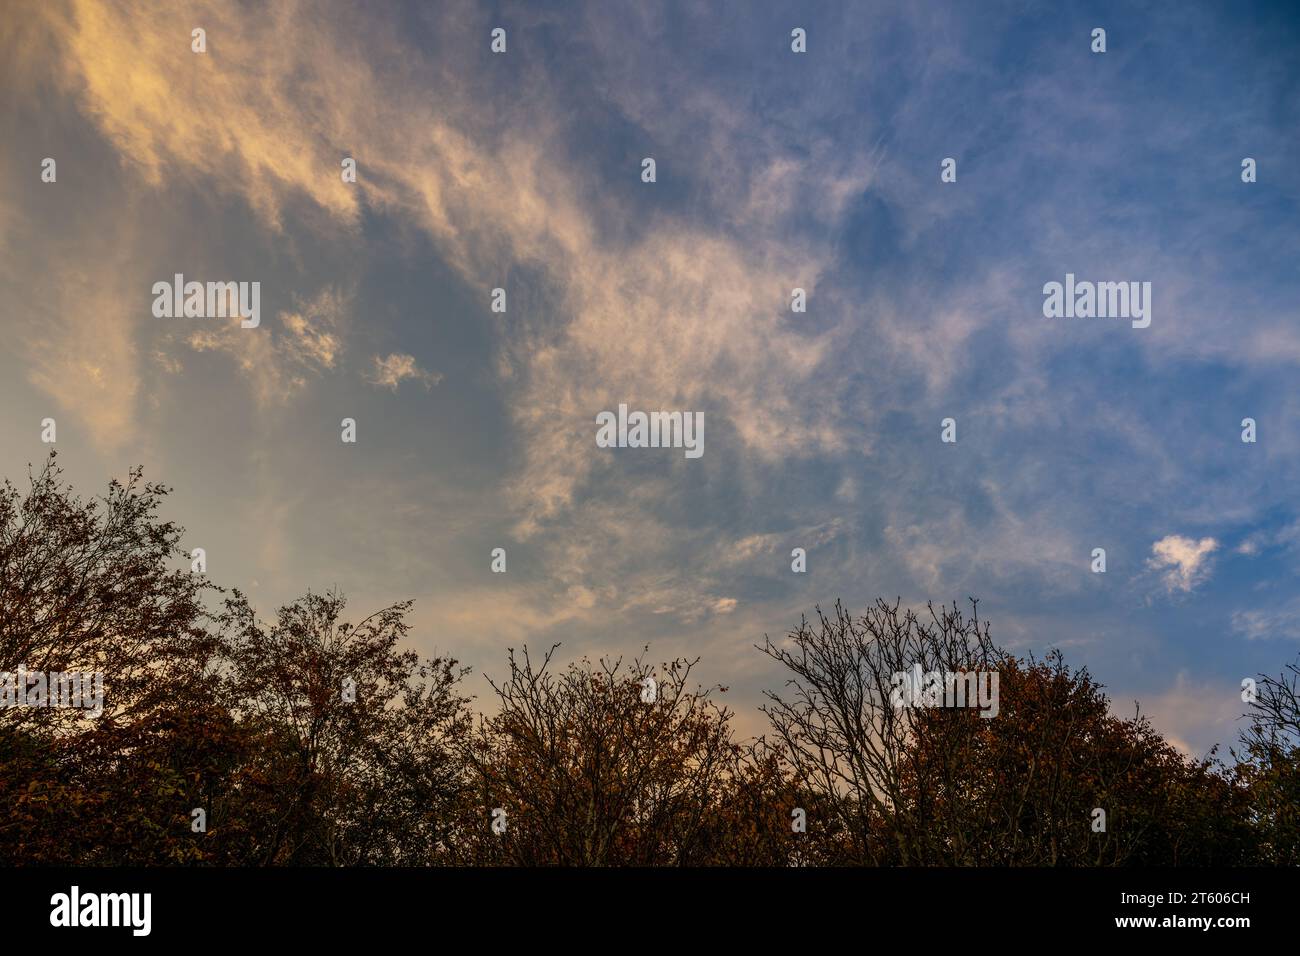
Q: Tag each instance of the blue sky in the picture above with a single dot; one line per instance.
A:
(775, 170)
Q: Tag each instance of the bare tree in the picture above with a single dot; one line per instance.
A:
(845, 737)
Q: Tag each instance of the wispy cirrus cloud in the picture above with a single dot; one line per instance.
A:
(280, 363)
(775, 172)
(1268, 622)
(675, 315)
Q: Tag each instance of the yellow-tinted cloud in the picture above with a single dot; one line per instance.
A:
(391, 370)
(76, 330)
(675, 315)
(255, 114)
(276, 102)
(280, 362)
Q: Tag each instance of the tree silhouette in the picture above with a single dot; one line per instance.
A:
(359, 739)
(86, 586)
(944, 785)
(1271, 766)
(311, 740)
(843, 736)
(597, 765)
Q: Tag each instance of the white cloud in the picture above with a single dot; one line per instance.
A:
(1184, 563)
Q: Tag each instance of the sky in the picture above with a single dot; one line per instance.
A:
(774, 170)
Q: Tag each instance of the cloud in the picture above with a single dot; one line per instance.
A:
(312, 333)
(1264, 623)
(1193, 715)
(165, 108)
(673, 315)
(950, 546)
(1285, 537)
(522, 172)
(1185, 563)
(281, 363)
(87, 357)
(391, 370)
(1251, 546)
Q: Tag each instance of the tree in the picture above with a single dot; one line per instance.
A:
(312, 740)
(1021, 784)
(86, 587)
(844, 738)
(1024, 788)
(359, 741)
(1271, 767)
(601, 765)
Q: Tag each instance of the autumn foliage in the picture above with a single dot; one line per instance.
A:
(315, 740)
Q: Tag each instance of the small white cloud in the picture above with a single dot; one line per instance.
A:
(1185, 563)
(391, 370)
(1286, 537)
(309, 342)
